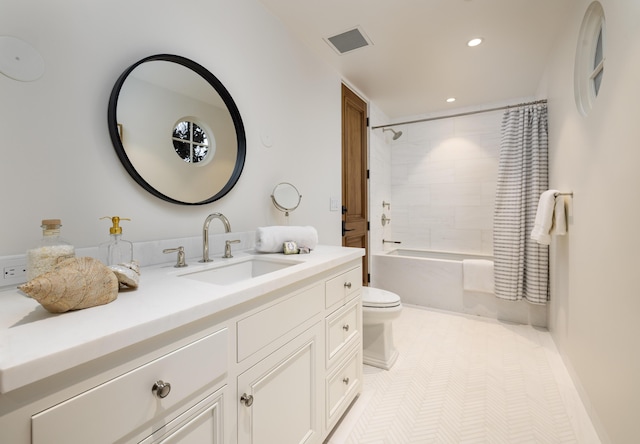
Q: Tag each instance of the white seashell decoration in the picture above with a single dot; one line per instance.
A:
(128, 274)
(73, 284)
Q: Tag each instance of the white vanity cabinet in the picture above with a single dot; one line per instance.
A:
(308, 341)
(277, 360)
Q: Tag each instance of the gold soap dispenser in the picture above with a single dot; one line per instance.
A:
(117, 250)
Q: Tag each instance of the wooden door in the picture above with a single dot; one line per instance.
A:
(355, 230)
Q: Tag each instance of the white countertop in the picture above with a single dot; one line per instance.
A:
(35, 344)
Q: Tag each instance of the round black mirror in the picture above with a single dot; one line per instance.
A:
(177, 130)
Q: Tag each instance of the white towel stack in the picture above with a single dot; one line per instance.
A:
(272, 239)
(550, 217)
(478, 275)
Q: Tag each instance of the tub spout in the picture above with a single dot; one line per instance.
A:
(205, 233)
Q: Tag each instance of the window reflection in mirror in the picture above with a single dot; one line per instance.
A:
(191, 142)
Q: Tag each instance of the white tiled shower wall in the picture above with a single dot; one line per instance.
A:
(443, 179)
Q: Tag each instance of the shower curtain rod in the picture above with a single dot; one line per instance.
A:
(536, 102)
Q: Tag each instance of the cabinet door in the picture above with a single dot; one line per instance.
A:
(202, 424)
(280, 398)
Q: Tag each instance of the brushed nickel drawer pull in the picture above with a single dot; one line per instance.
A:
(347, 284)
(161, 389)
(247, 400)
(346, 380)
(345, 327)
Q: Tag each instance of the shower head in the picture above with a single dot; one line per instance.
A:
(396, 134)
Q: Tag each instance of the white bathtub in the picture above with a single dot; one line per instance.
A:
(434, 279)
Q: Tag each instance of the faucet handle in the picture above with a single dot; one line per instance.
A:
(227, 248)
(180, 250)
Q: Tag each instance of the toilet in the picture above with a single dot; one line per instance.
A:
(379, 309)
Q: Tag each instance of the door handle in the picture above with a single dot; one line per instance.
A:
(344, 228)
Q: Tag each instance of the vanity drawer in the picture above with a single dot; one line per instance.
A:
(342, 386)
(343, 327)
(343, 287)
(126, 405)
(261, 328)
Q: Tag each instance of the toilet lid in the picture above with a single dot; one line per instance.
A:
(378, 298)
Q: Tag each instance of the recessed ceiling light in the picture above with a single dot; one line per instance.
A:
(474, 42)
(451, 99)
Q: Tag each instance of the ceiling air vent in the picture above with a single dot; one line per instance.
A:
(349, 41)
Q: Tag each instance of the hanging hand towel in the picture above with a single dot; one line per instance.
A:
(478, 275)
(559, 227)
(550, 217)
(272, 239)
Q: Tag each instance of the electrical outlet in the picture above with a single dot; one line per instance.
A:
(14, 270)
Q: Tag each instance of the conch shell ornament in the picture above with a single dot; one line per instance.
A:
(75, 283)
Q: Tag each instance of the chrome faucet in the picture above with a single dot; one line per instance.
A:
(205, 233)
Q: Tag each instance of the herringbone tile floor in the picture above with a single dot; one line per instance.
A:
(462, 379)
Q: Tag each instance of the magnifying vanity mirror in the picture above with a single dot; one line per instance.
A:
(177, 130)
(286, 197)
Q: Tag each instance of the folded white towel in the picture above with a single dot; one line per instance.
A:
(550, 217)
(478, 275)
(272, 239)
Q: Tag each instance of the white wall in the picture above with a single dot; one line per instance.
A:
(595, 301)
(443, 180)
(57, 158)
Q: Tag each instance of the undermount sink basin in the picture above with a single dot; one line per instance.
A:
(251, 267)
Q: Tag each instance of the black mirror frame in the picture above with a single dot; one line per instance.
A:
(114, 133)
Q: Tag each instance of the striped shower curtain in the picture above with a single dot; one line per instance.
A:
(521, 265)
